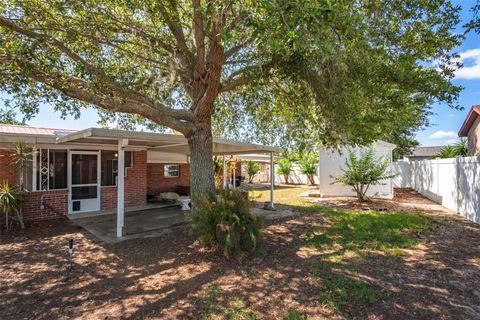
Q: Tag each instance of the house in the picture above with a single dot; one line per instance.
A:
(96, 170)
(331, 162)
(423, 153)
(471, 129)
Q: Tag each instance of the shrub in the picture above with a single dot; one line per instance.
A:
(363, 171)
(252, 169)
(285, 167)
(460, 149)
(11, 199)
(308, 166)
(226, 222)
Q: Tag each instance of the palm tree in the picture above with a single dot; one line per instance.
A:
(447, 152)
(461, 147)
(252, 169)
(308, 166)
(285, 167)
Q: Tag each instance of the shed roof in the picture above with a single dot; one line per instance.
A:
(469, 120)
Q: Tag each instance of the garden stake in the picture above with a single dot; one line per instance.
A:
(70, 254)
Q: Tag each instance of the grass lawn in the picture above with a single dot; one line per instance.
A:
(325, 263)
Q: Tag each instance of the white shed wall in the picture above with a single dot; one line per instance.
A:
(331, 164)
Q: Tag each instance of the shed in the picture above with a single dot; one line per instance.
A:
(332, 162)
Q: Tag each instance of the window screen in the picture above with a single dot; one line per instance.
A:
(110, 166)
(171, 170)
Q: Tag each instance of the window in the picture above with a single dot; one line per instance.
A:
(171, 170)
(51, 169)
(110, 166)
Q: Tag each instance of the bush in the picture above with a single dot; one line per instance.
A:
(285, 167)
(252, 169)
(308, 166)
(225, 221)
(363, 171)
(11, 199)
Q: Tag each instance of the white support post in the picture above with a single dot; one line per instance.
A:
(224, 172)
(234, 180)
(34, 170)
(122, 143)
(272, 180)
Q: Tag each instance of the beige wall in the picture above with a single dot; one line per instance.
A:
(474, 138)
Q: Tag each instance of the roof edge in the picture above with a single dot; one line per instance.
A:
(469, 120)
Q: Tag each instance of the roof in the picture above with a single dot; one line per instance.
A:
(385, 144)
(469, 120)
(425, 151)
(22, 129)
(168, 143)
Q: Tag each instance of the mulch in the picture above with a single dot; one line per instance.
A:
(168, 277)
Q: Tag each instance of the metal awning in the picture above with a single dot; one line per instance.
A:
(158, 141)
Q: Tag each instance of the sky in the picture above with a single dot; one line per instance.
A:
(445, 122)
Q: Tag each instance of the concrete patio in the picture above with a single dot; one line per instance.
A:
(138, 224)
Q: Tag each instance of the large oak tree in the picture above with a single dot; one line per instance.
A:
(173, 62)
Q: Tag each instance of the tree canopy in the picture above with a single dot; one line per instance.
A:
(331, 71)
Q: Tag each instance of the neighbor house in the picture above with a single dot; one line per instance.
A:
(423, 153)
(471, 129)
(97, 170)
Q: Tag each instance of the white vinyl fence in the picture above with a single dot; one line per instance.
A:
(454, 183)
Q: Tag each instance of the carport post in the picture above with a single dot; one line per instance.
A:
(272, 180)
(122, 143)
(224, 173)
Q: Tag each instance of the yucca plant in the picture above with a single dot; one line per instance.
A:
(461, 148)
(308, 166)
(11, 199)
(363, 171)
(20, 157)
(252, 169)
(447, 152)
(225, 221)
(285, 168)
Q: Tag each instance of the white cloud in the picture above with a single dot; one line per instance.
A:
(440, 134)
(471, 65)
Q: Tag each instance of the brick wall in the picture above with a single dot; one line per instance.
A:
(157, 182)
(55, 204)
(135, 185)
(7, 173)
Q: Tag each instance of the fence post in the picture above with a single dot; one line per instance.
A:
(438, 181)
(457, 183)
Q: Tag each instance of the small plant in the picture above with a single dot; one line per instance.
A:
(11, 199)
(20, 157)
(252, 169)
(459, 149)
(308, 166)
(225, 221)
(285, 167)
(363, 171)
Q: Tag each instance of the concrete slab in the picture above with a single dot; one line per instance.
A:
(138, 224)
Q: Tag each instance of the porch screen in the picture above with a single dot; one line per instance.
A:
(51, 169)
(110, 166)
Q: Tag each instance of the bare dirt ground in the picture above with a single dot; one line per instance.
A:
(171, 277)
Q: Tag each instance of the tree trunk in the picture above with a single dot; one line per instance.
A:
(200, 143)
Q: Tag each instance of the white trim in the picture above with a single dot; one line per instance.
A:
(98, 200)
(122, 143)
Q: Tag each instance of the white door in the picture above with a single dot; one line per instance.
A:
(84, 181)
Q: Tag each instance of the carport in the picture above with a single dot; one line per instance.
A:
(156, 145)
